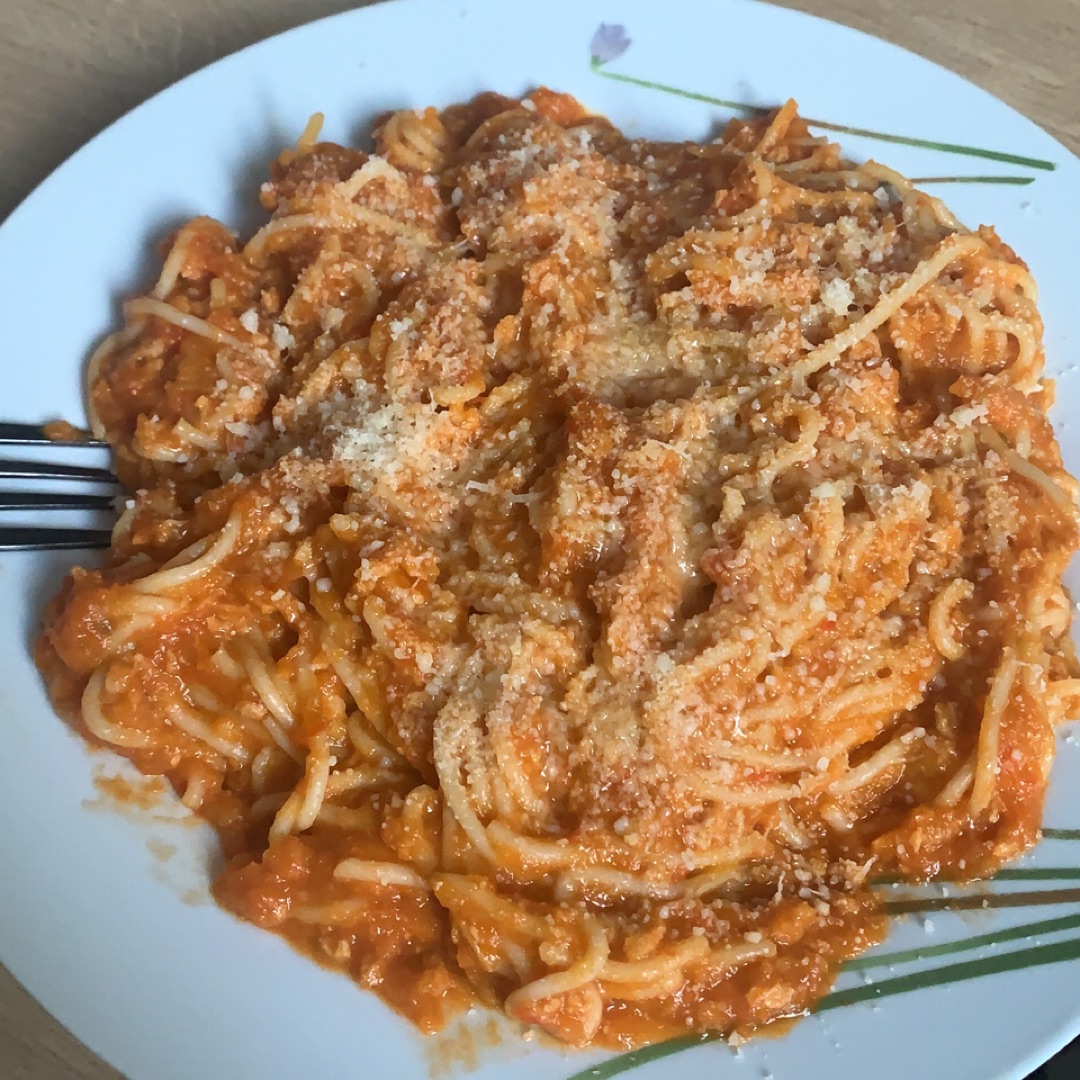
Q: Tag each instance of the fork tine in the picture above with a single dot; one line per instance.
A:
(34, 435)
(32, 538)
(40, 470)
(39, 500)
(41, 538)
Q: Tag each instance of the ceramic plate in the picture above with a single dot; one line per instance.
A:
(105, 914)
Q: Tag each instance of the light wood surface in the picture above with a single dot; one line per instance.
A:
(70, 67)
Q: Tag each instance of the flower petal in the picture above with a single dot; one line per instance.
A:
(609, 42)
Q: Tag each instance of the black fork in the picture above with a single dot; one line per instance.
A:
(45, 498)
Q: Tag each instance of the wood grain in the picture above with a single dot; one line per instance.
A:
(68, 68)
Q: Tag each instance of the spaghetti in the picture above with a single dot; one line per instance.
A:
(565, 567)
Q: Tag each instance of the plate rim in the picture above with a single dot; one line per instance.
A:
(25, 205)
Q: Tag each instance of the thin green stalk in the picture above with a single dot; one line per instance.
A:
(998, 937)
(929, 144)
(1061, 834)
(1038, 873)
(1018, 181)
(648, 84)
(1019, 873)
(635, 1058)
(986, 901)
(1021, 959)
(758, 110)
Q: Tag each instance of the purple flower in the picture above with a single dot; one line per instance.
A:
(609, 42)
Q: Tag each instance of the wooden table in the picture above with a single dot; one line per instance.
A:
(69, 67)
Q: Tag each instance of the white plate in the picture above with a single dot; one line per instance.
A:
(102, 931)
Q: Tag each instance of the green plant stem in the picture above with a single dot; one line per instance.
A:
(998, 937)
(1021, 959)
(1018, 181)
(759, 110)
